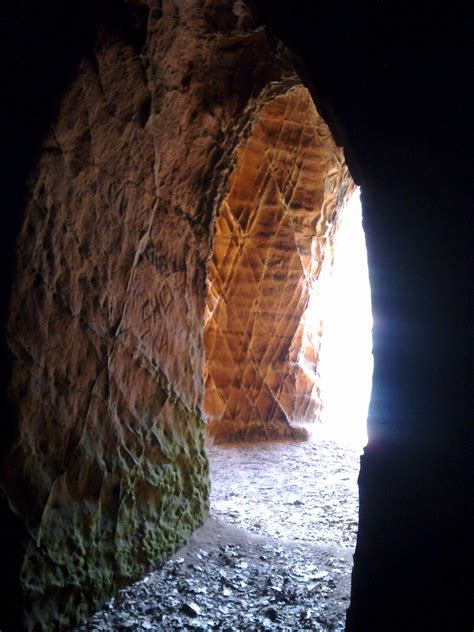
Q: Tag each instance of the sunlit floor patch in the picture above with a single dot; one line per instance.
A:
(305, 491)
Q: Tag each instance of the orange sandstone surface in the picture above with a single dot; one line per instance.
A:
(275, 228)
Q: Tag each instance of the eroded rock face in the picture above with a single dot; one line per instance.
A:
(275, 228)
(107, 470)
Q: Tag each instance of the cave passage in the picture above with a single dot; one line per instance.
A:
(304, 490)
(287, 326)
(173, 199)
(288, 343)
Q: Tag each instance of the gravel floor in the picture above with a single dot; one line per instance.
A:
(297, 491)
(276, 553)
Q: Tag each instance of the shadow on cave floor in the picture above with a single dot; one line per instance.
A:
(275, 554)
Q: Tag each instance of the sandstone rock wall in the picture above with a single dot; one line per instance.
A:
(275, 227)
(107, 470)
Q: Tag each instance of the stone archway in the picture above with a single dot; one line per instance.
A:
(159, 75)
(106, 470)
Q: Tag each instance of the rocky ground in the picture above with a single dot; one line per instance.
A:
(276, 553)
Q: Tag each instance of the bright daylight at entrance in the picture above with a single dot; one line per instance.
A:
(342, 302)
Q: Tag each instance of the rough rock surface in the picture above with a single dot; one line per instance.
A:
(107, 469)
(276, 225)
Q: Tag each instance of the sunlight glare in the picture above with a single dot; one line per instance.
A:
(346, 361)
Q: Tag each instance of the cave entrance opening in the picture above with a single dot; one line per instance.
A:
(339, 315)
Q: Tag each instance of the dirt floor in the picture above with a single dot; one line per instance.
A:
(275, 554)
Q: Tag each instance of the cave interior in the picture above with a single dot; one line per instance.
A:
(126, 126)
